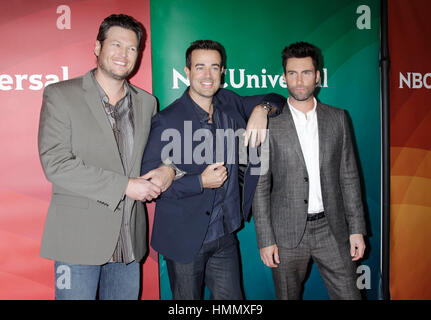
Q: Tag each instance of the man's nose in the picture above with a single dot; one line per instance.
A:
(207, 72)
(299, 79)
(123, 51)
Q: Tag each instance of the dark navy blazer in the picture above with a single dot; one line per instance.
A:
(183, 210)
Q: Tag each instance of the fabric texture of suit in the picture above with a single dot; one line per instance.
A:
(183, 210)
(79, 155)
(281, 199)
(280, 206)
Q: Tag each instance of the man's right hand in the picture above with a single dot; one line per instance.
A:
(269, 256)
(162, 177)
(214, 175)
(142, 190)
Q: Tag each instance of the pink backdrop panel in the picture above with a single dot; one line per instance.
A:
(43, 42)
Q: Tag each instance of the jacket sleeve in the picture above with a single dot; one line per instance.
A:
(350, 183)
(62, 167)
(244, 105)
(261, 207)
(186, 186)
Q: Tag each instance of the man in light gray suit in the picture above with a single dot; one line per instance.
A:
(92, 134)
(308, 204)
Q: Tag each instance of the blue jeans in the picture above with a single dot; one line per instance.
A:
(112, 281)
(216, 265)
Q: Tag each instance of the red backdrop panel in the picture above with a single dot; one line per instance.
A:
(42, 42)
(410, 113)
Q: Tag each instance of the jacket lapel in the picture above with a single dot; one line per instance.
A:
(138, 117)
(324, 125)
(291, 134)
(94, 103)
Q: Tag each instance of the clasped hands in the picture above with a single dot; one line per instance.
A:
(150, 185)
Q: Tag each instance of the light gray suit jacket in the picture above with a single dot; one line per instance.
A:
(79, 155)
(280, 203)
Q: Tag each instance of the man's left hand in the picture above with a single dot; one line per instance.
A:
(357, 246)
(162, 177)
(255, 133)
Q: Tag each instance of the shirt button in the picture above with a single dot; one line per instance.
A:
(305, 201)
(306, 179)
(207, 213)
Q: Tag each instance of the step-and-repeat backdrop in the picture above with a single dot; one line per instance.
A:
(254, 33)
(44, 42)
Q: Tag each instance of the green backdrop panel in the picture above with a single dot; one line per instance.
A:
(254, 33)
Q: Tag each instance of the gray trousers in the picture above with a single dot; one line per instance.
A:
(333, 261)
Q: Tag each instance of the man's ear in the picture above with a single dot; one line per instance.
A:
(187, 71)
(97, 48)
(317, 77)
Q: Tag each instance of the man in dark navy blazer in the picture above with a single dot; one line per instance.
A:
(197, 216)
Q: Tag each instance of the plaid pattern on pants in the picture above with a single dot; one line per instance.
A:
(333, 261)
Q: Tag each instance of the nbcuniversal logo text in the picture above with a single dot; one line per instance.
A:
(415, 80)
(33, 82)
(238, 78)
(235, 78)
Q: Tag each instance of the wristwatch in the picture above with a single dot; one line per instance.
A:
(266, 106)
(178, 172)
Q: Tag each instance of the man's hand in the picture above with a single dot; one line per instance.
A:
(161, 177)
(357, 246)
(214, 175)
(142, 190)
(269, 256)
(256, 127)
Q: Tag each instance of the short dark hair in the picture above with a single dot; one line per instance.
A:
(123, 21)
(205, 45)
(301, 50)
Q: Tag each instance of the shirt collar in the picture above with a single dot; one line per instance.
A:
(299, 114)
(102, 92)
(201, 113)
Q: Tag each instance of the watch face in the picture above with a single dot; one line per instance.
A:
(267, 106)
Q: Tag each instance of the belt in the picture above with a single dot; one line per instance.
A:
(317, 216)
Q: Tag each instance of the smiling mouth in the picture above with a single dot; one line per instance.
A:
(207, 84)
(119, 63)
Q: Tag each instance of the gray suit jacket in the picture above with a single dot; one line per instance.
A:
(280, 202)
(79, 155)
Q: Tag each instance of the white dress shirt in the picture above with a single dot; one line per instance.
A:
(307, 130)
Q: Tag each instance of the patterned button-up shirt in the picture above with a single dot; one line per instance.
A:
(122, 122)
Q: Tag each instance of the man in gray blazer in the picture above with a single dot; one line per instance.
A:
(308, 203)
(92, 134)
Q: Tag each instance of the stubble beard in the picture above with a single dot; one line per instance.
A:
(304, 97)
(112, 74)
